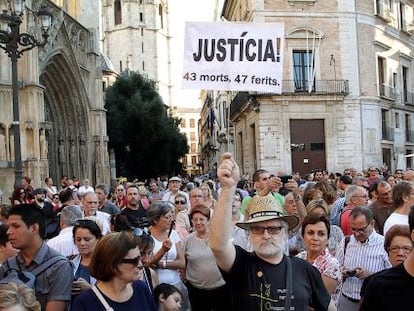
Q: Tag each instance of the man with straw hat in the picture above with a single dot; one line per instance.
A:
(264, 279)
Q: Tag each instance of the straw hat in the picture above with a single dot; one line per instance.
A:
(262, 208)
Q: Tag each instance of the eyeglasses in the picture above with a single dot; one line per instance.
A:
(396, 249)
(179, 202)
(270, 229)
(133, 261)
(196, 196)
(360, 230)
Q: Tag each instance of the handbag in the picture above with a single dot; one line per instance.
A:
(101, 299)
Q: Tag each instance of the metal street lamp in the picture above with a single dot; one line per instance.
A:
(15, 44)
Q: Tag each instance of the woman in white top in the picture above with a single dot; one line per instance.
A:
(168, 253)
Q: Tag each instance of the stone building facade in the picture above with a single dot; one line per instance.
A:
(62, 115)
(347, 88)
(136, 37)
(189, 127)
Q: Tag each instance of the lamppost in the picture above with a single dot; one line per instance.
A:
(15, 44)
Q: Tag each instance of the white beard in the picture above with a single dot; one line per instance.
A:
(269, 249)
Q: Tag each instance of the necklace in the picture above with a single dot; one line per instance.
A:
(205, 240)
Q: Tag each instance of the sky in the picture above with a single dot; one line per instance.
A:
(182, 11)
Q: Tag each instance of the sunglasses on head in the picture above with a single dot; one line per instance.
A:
(138, 231)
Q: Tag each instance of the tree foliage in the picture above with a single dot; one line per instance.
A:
(146, 140)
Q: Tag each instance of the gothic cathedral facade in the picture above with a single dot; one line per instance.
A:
(62, 116)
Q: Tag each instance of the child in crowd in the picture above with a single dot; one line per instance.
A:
(168, 297)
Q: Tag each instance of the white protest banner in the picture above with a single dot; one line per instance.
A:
(233, 56)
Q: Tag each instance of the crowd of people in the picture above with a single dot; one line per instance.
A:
(269, 242)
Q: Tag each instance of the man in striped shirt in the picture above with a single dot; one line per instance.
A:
(363, 255)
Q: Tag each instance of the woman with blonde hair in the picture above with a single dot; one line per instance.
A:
(208, 196)
(18, 298)
(182, 220)
(328, 191)
(143, 196)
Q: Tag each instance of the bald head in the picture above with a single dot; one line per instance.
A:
(409, 175)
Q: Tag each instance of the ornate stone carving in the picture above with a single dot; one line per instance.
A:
(43, 145)
(3, 149)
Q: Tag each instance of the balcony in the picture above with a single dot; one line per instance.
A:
(387, 133)
(293, 87)
(409, 136)
(387, 91)
(208, 146)
(319, 87)
(408, 98)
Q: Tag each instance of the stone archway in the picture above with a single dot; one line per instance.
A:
(66, 119)
(63, 120)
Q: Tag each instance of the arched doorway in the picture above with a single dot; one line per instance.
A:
(66, 119)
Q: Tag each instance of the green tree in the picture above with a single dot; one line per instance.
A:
(146, 140)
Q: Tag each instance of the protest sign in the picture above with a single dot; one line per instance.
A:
(233, 56)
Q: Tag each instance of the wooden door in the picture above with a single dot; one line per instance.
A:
(307, 145)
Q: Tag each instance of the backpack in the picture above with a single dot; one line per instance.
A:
(16, 275)
(345, 213)
(337, 219)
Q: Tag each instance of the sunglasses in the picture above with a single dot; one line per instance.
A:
(179, 202)
(270, 229)
(138, 231)
(133, 261)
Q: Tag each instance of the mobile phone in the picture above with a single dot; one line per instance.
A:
(352, 272)
(284, 179)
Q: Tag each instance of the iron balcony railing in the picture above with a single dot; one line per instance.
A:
(294, 87)
(408, 98)
(409, 136)
(318, 87)
(387, 91)
(387, 133)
